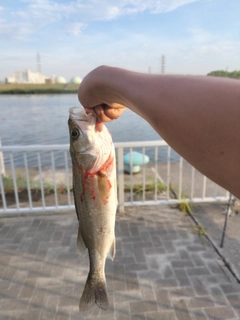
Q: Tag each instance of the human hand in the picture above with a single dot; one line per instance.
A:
(97, 95)
(104, 113)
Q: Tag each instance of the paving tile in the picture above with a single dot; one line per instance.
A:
(220, 313)
(200, 302)
(122, 310)
(182, 264)
(137, 266)
(184, 255)
(198, 314)
(218, 297)
(161, 271)
(178, 293)
(149, 275)
(139, 255)
(26, 291)
(38, 298)
(27, 315)
(184, 282)
(132, 281)
(196, 248)
(127, 249)
(231, 288)
(197, 271)
(161, 315)
(168, 245)
(197, 260)
(66, 300)
(147, 292)
(154, 251)
(63, 314)
(6, 315)
(16, 304)
(168, 272)
(166, 283)
(156, 241)
(181, 310)
(163, 299)
(137, 307)
(153, 262)
(214, 267)
(234, 300)
(199, 286)
(138, 317)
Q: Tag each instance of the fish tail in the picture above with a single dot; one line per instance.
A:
(94, 292)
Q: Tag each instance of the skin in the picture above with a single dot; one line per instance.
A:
(197, 116)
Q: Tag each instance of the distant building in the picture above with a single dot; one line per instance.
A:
(75, 80)
(60, 80)
(50, 80)
(26, 76)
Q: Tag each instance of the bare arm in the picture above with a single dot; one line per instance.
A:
(198, 116)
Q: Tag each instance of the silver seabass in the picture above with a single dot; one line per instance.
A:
(95, 196)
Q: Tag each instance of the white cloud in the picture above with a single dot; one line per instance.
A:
(34, 14)
(200, 35)
(75, 29)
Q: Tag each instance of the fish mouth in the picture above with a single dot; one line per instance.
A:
(78, 113)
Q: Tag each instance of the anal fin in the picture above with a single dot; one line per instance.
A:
(112, 250)
(80, 242)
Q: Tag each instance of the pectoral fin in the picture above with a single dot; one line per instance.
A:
(104, 186)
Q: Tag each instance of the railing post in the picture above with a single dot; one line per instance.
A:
(2, 166)
(120, 175)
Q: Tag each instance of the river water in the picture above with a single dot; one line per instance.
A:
(42, 119)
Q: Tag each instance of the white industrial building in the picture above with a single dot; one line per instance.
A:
(26, 76)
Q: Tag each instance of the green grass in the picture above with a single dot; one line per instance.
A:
(49, 188)
(38, 88)
(199, 230)
(34, 186)
(149, 187)
(184, 205)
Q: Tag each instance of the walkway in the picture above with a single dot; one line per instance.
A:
(162, 270)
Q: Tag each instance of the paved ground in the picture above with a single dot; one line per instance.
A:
(162, 270)
(211, 216)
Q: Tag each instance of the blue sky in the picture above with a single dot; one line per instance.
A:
(73, 37)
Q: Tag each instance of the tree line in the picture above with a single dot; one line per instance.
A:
(222, 73)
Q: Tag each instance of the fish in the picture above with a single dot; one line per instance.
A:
(95, 197)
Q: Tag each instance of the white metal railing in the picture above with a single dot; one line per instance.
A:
(46, 173)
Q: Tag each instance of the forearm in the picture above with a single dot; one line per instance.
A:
(197, 116)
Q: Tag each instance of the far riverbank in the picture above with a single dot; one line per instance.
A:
(47, 88)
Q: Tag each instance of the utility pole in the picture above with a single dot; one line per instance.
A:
(162, 64)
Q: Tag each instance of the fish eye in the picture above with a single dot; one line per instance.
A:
(74, 133)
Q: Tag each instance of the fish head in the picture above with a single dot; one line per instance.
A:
(81, 130)
(88, 147)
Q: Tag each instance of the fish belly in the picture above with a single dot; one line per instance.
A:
(96, 204)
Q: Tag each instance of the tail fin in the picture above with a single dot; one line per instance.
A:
(94, 292)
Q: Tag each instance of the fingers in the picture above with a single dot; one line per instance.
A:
(99, 126)
(114, 113)
(104, 113)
